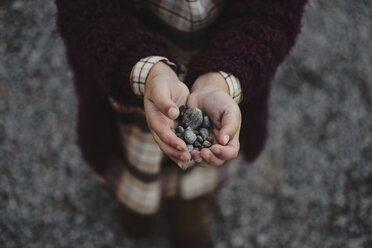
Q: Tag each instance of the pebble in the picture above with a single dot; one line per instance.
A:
(193, 118)
(204, 133)
(197, 144)
(193, 129)
(180, 129)
(206, 122)
(189, 136)
(183, 109)
(190, 148)
(207, 144)
(182, 112)
(210, 139)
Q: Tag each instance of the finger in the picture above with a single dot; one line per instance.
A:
(210, 158)
(159, 124)
(181, 158)
(230, 124)
(196, 156)
(227, 152)
(180, 163)
(161, 97)
(171, 151)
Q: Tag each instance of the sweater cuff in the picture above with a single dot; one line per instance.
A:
(141, 70)
(234, 86)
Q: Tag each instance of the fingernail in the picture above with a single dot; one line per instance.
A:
(172, 113)
(198, 160)
(181, 166)
(225, 139)
(181, 157)
(179, 148)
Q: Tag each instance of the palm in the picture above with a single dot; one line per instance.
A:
(223, 112)
(158, 117)
(163, 93)
(214, 104)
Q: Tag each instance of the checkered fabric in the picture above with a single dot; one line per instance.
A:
(186, 15)
(142, 68)
(234, 86)
(144, 175)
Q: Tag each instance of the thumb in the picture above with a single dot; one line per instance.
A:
(230, 125)
(161, 98)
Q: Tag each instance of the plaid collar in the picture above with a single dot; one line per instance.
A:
(186, 15)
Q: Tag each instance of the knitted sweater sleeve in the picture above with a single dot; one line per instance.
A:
(252, 39)
(107, 39)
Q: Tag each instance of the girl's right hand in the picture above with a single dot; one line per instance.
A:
(164, 93)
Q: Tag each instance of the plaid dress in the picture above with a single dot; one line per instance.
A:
(144, 175)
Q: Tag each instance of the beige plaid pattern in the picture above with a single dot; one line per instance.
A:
(137, 195)
(149, 159)
(141, 70)
(144, 175)
(146, 159)
(234, 86)
(185, 16)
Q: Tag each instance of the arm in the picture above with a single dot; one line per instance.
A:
(253, 37)
(106, 39)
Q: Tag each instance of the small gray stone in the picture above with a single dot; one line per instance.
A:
(189, 136)
(207, 144)
(199, 138)
(182, 110)
(196, 132)
(197, 144)
(188, 128)
(204, 133)
(210, 139)
(190, 148)
(206, 122)
(193, 118)
(180, 129)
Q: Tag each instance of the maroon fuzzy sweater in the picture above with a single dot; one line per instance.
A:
(105, 38)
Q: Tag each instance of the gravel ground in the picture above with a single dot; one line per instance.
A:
(311, 187)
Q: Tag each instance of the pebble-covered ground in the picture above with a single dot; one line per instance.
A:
(311, 187)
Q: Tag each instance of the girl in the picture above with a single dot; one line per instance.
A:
(136, 62)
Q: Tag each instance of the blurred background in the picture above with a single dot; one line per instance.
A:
(311, 187)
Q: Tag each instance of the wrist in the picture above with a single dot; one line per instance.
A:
(210, 81)
(159, 74)
(160, 68)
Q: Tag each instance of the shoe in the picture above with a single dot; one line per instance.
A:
(136, 225)
(189, 223)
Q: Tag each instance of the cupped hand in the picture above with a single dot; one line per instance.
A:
(210, 94)
(164, 93)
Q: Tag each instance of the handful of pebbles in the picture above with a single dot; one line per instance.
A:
(193, 128)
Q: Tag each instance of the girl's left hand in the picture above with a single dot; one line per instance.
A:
(210, 94)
